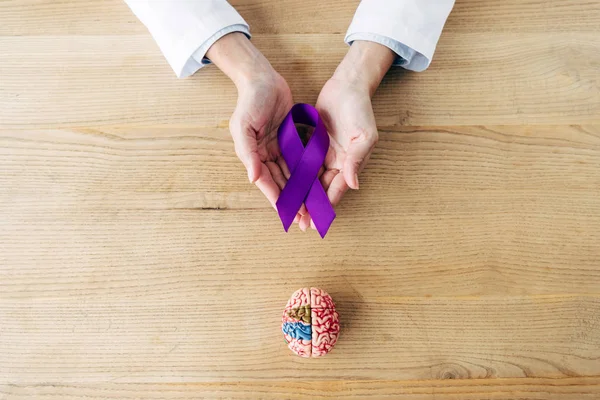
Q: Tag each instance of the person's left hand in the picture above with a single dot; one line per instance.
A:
(346, 111)
(344, 105)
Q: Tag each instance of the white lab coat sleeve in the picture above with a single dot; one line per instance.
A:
(410, 28)
(185, 29)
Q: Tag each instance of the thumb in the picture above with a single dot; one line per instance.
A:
(253, 165)
(246, 149)
(357, 155)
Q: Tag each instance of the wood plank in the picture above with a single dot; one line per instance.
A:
(466, 211)
(122, 252)
(478, 79)
(289, 16)
(480, 389)
(112, 17)
(114, 264)
(228, 330)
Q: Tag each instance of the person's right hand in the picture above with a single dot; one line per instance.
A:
(264, 99)
(263, 102)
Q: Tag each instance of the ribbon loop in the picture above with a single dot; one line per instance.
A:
(304, 164)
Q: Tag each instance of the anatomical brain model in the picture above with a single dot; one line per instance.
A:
(310, 323)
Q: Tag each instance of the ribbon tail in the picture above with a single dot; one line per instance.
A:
(285, 214)
(319, 208)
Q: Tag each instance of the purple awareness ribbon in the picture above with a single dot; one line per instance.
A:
(304, 164)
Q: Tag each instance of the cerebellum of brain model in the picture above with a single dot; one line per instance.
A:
(310, 323)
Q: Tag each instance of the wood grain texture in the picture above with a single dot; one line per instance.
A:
(112, 17)
(119, 339)
(466, 211)
(537, 78)
(116, 267)
(534, 75)
(479, 389)
(136, 261)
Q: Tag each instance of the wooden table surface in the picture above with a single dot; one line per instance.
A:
(137, 262)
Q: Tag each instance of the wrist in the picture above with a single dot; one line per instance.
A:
(237, 57)
(365, 65)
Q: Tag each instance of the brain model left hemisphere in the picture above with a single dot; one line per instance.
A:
(310, 323)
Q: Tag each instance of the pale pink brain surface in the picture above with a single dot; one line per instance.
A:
(310, 323)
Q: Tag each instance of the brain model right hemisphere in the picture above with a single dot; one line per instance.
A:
(310, 323)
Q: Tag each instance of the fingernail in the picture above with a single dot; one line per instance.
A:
(250, 177)
(356, 181)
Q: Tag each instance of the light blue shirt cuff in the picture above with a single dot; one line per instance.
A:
(405, 54)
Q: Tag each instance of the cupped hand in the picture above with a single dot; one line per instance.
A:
(263, 102)
(347, 113)
(345, 106)
(264, 99)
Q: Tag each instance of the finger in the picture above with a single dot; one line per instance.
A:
(284, 168)
(327, 177)
(252, 162)
(276, 174)
(267, 185)
(304, 222)
(321, 171)
(337, 189)
(244, 139)
(357, 155)
(303, 210)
